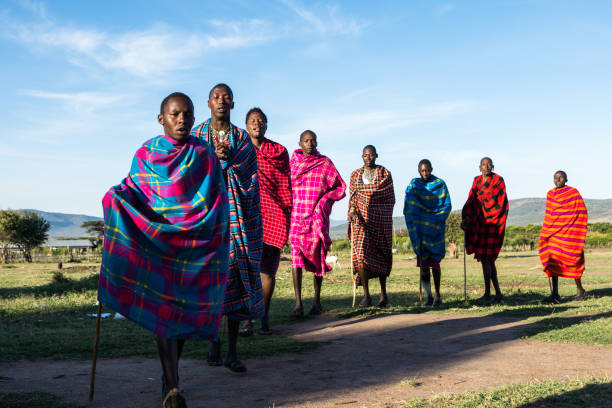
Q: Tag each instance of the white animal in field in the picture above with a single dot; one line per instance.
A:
(332, 261)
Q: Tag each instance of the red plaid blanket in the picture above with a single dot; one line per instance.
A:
(371, 235)
(275, 191)
(487, 210)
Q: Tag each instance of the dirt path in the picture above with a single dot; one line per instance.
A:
(371, 362)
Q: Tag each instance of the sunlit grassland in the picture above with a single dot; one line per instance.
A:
(590, 392)
(42, 317)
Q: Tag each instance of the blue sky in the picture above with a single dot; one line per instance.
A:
(526, 82)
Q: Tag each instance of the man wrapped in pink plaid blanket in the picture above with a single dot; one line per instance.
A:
(316, 185)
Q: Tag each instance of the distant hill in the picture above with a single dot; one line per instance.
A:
(66, 225)
(523, 211)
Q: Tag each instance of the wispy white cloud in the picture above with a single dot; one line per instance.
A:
(329, 21)
(83, 103)
(145, 53)
(372, 122)
(242, 34)
(89, 98)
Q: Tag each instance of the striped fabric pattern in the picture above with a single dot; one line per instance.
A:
(563, 233)
(487, 210)
(166, 241)
(372, 234)
(275, 187)
(427, 205)
(243, 295)
(316, 185)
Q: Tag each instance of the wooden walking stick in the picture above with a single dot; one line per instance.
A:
(464, 274)
(353, 267)
(420, 287)
(95, 354)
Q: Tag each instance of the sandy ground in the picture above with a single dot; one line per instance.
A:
(362, 362)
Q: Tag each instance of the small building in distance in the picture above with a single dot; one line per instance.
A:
(70, 244)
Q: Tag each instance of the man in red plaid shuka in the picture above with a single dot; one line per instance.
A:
(484, 222)
(370, 226)
(275, 194)
(315, 186)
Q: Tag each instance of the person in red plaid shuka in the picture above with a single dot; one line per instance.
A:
(484, 222)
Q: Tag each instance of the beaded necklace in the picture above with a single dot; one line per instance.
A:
(221, 136)
(370, 174)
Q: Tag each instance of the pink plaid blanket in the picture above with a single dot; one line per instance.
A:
(316, 185)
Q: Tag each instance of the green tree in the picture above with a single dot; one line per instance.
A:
(8, 224)
(31, 230)
(454, 233)
(95, 228)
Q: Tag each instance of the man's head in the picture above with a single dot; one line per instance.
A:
(486, 166)
(560, 178)
(256, 123)
(176, 116)
(221, 101)
(308, 142)
(425, 169)
(369, 156)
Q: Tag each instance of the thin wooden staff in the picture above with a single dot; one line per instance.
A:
(95, 354)
(420, 287)
(353, 266)
(464, 273)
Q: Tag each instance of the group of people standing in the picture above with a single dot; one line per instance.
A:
(195, 231)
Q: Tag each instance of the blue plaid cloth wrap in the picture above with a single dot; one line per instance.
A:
(427, 205)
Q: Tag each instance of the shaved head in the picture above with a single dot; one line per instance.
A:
(307, 132)
(221, 85)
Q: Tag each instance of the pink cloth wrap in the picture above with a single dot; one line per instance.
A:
(316, 185)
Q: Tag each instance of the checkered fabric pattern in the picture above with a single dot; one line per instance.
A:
(371, 234)
(243, 295)
(166, 240)
(316, 185)
(487, 210)
(275, 190)
(427, 205)
(563, 233)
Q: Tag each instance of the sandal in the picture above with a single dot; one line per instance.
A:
(264, 329)
(552, 299)
(383, 303)
(298, 312)
(366, 302)
(246, 328)
(235, 366)
(174, 399)
(484, 299)
(497, 299)
(581, 297)
(315, 310)
(214, 358)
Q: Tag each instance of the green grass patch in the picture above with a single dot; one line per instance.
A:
(593, 392)
(43, 313)
(32, 400)
(524, 286)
